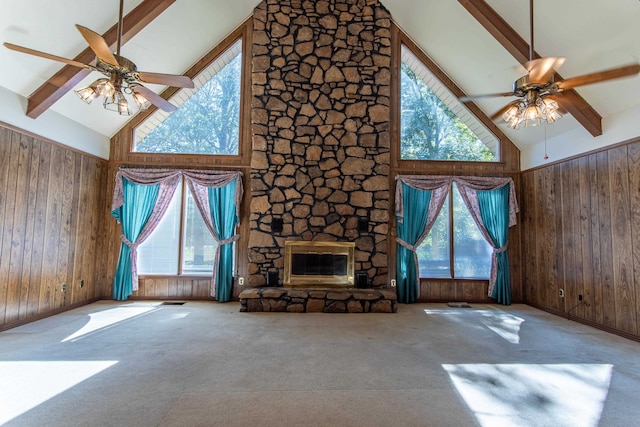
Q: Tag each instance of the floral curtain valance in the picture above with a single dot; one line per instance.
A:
(434, 182)
(170, 177)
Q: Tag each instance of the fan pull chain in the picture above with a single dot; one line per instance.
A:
(546, 156)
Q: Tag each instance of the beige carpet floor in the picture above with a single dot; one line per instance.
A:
(206, 364)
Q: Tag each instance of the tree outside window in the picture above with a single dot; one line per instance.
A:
(208, 122)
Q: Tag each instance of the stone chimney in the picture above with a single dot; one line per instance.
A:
(320, 117)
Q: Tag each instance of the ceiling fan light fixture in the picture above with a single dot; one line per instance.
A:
(142, 102)
(117, 103)
(532, 116)
(87, 94)
(511, 113)
(104, 87)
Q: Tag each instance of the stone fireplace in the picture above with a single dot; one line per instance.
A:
(320, 122)
(319, 264)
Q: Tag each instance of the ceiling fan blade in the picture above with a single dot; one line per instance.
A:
(166, 79)
(601, 76)
(98, 45)
(542, 69)
(46, 55)
(501, 111)
(488, 95)
(154, 98)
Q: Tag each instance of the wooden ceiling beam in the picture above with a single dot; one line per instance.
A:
(575, 104)
(66, 79)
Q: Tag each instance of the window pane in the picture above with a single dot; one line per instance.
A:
(433, 253)
(434, 124)
(199, 245)
(472, 253)
(159, 253)
(208, 117)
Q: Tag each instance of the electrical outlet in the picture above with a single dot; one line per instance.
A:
(393, 283)
(63, 287)
(82, 283)
(561, 293)
(241, 281)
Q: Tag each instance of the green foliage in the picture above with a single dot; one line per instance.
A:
(207, 123)
(430, 130)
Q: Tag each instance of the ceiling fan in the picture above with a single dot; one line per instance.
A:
(540, 97)
(122, 75)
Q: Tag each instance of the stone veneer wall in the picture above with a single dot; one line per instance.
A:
(320, 126)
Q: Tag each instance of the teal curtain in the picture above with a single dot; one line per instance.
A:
(494, 210)
(139, 202)
(224, 217)
(410, 229)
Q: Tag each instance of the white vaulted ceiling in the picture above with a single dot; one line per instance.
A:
(591, 34)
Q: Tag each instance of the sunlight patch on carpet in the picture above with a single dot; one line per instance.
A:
(26, 384)
(505, 325)
(533, 395)
(107, 318)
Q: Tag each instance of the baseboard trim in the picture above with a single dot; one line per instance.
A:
(17, 323)
(586, 322)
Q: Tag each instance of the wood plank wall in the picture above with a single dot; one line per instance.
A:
(581, 233)
(51, 213)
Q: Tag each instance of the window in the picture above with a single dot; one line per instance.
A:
(181, 243)
(208, 117)
(434, 124)
(455, 237)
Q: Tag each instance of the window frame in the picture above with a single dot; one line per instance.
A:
(401, 39)
(241, 33)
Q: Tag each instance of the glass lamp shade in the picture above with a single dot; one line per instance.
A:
(532, 116)
(118, 103)
(551, 108)
(104, 87)
(87, 94)
(142, 102)
(511, 113)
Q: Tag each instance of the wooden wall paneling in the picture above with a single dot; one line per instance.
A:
(73, 285)
(102, 219)
(557, 252)
(83, 241)
(50, 287)
(161, 287)
(19, 169)
(66, 240)
(41, 231)
(90, 178)
(541, 231)
(527, 209)
(571, 241)
(585, 310)
(5, 226)
(31, 251)
(633, 151)
(40, 217)
(596, 259)
(624, 291)
(606, 242)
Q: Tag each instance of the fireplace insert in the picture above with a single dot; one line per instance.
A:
(319, 264)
